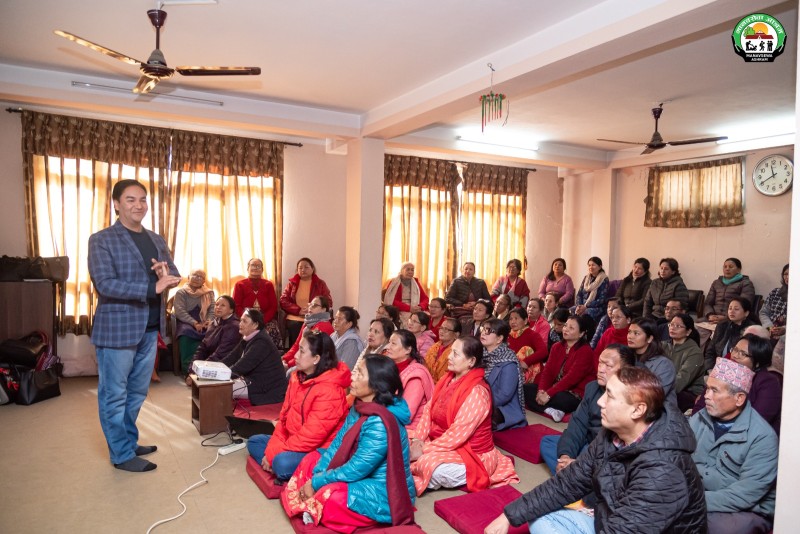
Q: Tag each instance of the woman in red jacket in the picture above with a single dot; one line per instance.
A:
(258, 293)
(298, 294)
(314, 409)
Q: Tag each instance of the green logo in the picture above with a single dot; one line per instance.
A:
(758, 38)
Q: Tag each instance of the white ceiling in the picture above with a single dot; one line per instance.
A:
(411, 71)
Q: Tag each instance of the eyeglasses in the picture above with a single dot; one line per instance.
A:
(486, 330)
(740, 352)
(314, 305)
(445, 329)
(675, 326)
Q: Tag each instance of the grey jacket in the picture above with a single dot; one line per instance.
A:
(739, 469)
(662, 291)
(720, 295)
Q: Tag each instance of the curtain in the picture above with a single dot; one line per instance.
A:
(493, 217)
(697, 195)
(219, 205)
(421, 205)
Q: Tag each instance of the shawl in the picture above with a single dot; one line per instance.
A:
(351, 333)
(314, 318)
(477, 476)
(394, 287)
(590, 286)
(399, 499)
(503, 354)
(204, 293)
(732, 279)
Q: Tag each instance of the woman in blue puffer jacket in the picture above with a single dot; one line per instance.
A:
(363, 478)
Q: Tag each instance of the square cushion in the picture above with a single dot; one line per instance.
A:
(264, 480)
(524, 442)
(265, 412)
(471, 513)
(301, 528)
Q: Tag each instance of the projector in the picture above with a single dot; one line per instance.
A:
(211, 370)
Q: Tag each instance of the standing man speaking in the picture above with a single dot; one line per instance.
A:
(131, 270)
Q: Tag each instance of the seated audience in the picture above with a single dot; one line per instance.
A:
(390, 312)
(639, 467)
(417, 381)
(556, 333)
(256, 293)
(621, 319)
(418, 325)
(512, 285)
(773, 313)
(223, 334)
(673, 308)
(633, 288)
(736, 454)
(405, 293)
(502, 307)
(668, 286)
(193, 307)
(536, 318)
(436, 359)
(526, 344)
(605, 321)
(687, 358)
(452, 445)
(727, 333)
(377, 338)
(584, 425)
(314, 408)
(766, 393)
(550, 307)
(481, 312)
(592, 291)
(558, 282)
(559, 387)
(363, 478)
(731, 284)
(642, 339)
(256, 363)
(349, 344)
(465, 291)
(503, 376)
(317, 319)
(437, 309)
(298, 294)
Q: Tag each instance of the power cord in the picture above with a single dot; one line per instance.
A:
(184, 492)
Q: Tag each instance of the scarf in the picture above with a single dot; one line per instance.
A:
(314, 318)
(394, 287)
(590, 286)
(397, 491)
(477, 476)
(732, 279)
(338, 340)
(783, 291)
(206, 295)
(503, 354)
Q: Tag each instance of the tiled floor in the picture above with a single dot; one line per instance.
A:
(55, 476)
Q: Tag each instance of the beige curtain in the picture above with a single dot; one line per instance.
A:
(696, 195)
(493, 217)
(421, 205)
(220, 206)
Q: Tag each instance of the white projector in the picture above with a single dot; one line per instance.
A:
(211, 370)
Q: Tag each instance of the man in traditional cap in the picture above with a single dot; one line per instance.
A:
(737, 454)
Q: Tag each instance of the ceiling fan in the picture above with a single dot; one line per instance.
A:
(155, 68)
(657, 142)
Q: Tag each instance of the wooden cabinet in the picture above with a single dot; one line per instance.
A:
(27, 306)
(212, 400)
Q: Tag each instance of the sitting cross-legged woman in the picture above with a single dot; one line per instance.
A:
(417, 380)
(527, 344)
(592, 292)
(405, 293)
(364, 477)
(558, 389)
(503, 375)
(452, 445)
(558, 282)
(314, 409)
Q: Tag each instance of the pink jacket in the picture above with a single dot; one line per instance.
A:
(417, 390)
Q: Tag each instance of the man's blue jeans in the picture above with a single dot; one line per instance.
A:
(547, 449)
(124, 378)
(283, 465)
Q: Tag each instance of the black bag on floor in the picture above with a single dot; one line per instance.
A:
(36, 386)
(24, 351)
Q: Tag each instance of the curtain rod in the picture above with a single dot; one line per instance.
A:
(290, 143)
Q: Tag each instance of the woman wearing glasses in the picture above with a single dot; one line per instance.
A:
(686, 356)
(437, 355)
(318, 319)
(503, 376)
(418, 324)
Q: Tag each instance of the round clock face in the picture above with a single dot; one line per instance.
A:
(773, 175)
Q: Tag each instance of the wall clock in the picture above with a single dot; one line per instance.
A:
(773, 175)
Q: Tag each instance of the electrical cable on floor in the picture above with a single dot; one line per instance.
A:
(184, 492)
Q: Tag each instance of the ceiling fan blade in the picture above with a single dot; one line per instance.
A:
(650, 150)
(625, 142)
(97, 48)
(695, 141)
(218, 71)
(145, 85)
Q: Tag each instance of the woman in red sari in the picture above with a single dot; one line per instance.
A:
(452, 444)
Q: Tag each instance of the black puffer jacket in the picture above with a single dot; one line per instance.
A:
(662, 291)
(652, 486)
(632, 292)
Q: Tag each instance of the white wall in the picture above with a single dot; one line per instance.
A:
(12, 201)
(543, 224)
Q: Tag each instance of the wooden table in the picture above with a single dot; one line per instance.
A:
(212, 400)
